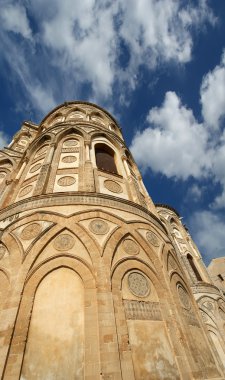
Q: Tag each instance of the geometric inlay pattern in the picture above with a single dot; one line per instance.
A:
(64, 242)
(41, 151)
(35, 168)
(69, 159)
(70, 143)
(138, 284)
(66, 181)
(98, 226)
(26, 190)
(131, 247)
(152, 238)
(31, 231)
(183, 296)
(113, 186)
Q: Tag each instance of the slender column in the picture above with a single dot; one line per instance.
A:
(88, 174)
(44, 172)
(127, 169)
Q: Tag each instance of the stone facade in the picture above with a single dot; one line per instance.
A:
(97, 282)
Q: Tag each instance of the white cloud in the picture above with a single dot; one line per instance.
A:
(13, 18)
(174, 143)
(78, 43)
(177, 145)
(194, 193)
(160, 29)
(213, 95)
(207, 229)
(4, 140)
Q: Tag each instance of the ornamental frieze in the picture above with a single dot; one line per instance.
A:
(141, 310)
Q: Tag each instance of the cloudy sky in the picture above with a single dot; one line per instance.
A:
(157, 65)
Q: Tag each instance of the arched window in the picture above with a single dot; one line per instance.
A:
(105, 158)
(192, 264)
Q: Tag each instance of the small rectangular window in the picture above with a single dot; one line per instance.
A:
(220, 277)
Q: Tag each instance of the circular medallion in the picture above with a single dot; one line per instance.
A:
(152, 238)
(113, 186)
(131, 247)
(70, 143)
(66, 181)
(31, 231)
(184, 297)
(69, 159)
(2, 251)
(64, 242)
(138, 284)
(26, 190)
(99, 227)
(35, 168)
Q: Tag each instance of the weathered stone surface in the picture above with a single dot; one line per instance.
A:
(96, 282)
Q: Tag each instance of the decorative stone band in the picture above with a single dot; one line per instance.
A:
(205, 288)
(142, 310)
(78, 199)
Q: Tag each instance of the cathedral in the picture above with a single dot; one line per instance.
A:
(97, 281)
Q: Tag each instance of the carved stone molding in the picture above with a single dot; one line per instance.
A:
(172, 265)
(142, 310)
(131, 247)
(66, 181)
(31, 231)
(98, 227)
(152, 239)
(64, 242)
(113, 186)
(184, 297)
(138, 284)
(3, 251)
(78, 199)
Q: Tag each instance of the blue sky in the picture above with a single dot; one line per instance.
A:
(157, 65)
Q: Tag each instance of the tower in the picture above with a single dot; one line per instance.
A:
(93, 281)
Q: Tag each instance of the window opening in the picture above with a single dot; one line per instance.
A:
(105, 159)
(192, 264)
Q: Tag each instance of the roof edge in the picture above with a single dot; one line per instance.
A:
(80, 102)
(168, 207)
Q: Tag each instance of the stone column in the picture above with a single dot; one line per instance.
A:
(88, 173)
(44, 172)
